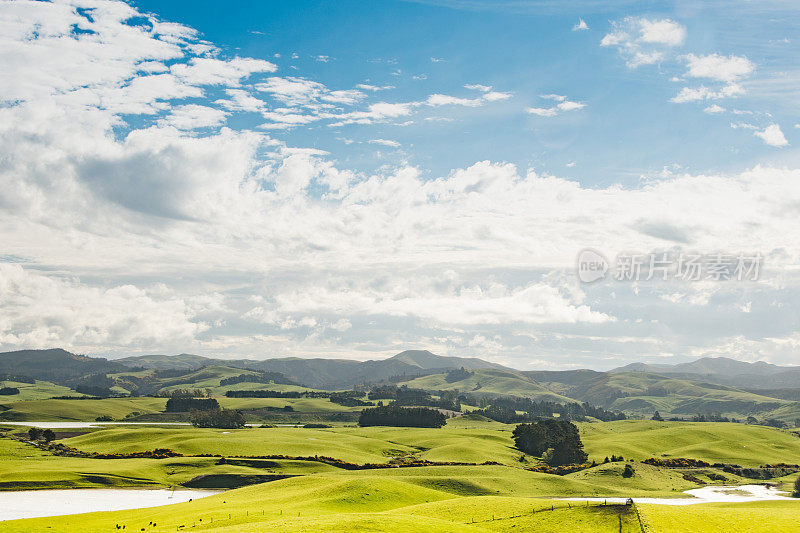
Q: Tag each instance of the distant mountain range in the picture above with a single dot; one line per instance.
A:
(706, 385)
(324, 373)
(725, 371)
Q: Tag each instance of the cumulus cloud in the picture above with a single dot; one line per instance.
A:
(42, 311)
(193, 116)
(772, 135)
(644, 41)
(261, 248)
(718, 67)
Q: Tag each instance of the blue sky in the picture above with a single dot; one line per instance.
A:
(629, 127)
(352, 179)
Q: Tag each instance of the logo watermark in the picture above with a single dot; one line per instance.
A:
(592, 265)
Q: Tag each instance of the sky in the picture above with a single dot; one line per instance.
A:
(351, 179)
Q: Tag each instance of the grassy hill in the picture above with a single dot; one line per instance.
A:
(54, 365)
(710, 441)
(643, 393)
(489, 382)
(35, 391)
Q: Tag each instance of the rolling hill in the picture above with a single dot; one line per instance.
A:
(489, 382)
(325, 373)
(724, 371)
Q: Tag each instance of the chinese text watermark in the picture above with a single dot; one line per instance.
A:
(663, 266)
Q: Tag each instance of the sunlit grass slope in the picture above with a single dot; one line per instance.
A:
(710, 441)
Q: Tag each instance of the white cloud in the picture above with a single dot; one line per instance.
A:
(643, 41)
(496, 96)
(192, 116)
(718, 67)
(714, 109)
(688, 94)
(664, 31)
(211, 71)
(581, 25)
(41, 311)
(477, 87)
(385, 142)
(265, 249)
(563, 105)
(772, 135)
(374, 88)
(436, 100)
(542, 111)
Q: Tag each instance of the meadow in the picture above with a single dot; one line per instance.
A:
(280, 480)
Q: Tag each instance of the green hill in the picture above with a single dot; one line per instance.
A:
(489, 382)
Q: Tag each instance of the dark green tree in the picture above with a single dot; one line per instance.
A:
(35, 433)
(628, 471)
(48, 435)
(657, 417)
(559, 438)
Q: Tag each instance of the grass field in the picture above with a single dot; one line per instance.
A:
(710, 441)
(423, 500)
(35, 391)
(83, 410)
(321, 497)
(753, 517)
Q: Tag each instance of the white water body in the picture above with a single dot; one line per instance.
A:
(79, 424)
(711, 494)
(39, 503)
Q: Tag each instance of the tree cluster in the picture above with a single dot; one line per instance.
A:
(9, 391)
(37, 434)
(218, 418)
(181, 405)
(262, 394)
(556, 441)
(395, 415)
(262, 377)
(506, 409)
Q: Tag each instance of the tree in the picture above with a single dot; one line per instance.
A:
(796, 492)
(657, 417)
(218, 418)
(751, 420)
(48, 435)
(557, 441)
(628, 471)
(35, 433)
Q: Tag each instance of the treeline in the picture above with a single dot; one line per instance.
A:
(505, 409)
(17, 378)
(261, 377)
(404, 395)
(395, 415)
(262, 394)
(182, 405)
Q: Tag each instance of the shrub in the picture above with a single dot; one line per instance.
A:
(103, 418)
